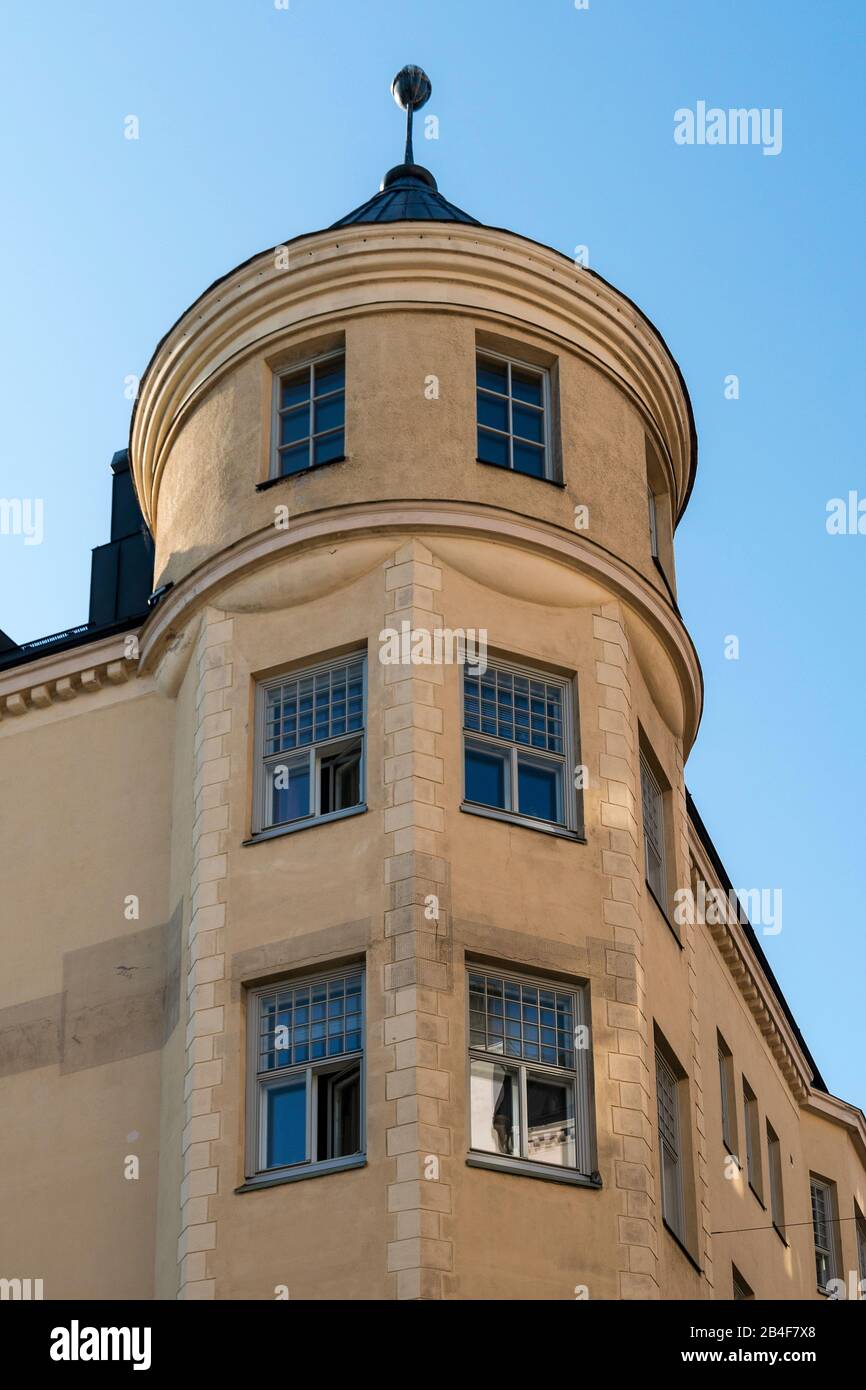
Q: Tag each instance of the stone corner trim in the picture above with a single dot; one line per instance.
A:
(627, 1018)
(206, 988)
(417, 980)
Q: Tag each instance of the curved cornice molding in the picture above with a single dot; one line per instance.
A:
(474, 270)
(468, 520)
(840, 1112)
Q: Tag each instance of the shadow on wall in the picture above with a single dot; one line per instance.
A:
(120, 998)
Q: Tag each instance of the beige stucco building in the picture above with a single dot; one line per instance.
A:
(335, 968)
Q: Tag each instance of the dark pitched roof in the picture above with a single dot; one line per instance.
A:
(408, 194)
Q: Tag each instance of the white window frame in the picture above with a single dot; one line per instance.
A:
(571, 822)
(259, 1082)
(580, 1077)
(313, 751)
(777, 1188)
(670, 1146)
(279, 376)
(828, 1250)
(650, 788)
(546, 402)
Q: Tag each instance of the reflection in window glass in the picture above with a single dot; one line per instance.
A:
(550, 1120)
(494, 1108)
(528, 1070)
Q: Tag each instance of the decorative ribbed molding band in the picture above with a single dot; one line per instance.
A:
(476, 269)
(467, 521)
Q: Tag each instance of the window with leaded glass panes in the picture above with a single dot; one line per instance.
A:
(310, 744)
(310, 415)
(517, 745)
(528, 1072)
(306, 1081)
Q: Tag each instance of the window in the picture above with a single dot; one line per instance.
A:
(823, 1221)
(777, 1195)
(860, 1227)
(659, 518)
(306, 1049)
(310, 414)
(653, 523)
(528, 1073)
(742, 1292)
(753, 1139)
(729, 1103)
(517, 745)
(310, 739)
(513, 411)
(653, 831)
(670, 1151)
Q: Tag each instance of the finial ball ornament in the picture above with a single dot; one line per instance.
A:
(411, 87)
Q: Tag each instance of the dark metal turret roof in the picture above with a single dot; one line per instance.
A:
(408, 194)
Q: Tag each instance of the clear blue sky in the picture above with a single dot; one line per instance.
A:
(258, 124)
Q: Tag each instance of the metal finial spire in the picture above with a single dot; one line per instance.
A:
(411, 89)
